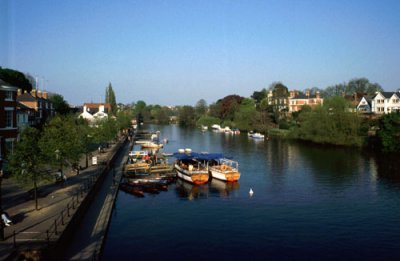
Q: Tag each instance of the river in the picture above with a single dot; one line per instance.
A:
(309, 202)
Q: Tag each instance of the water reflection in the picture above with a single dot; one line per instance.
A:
(215, 188)
(388, 167)
(223, 189)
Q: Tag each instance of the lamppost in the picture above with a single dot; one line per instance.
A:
(58, 157)
(1, 205)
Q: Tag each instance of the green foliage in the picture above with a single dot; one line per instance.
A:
(15, 78)
(61, 141)
(357, 85)
(59, 104)
(206, 120)
(259, 96)
(389, 133)
(246, 116)
(110, 98)
(329, 124)
(201, 107)
(105, 131)
(27, 164)
(187, 116)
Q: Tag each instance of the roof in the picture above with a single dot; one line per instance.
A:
(97, 105)
(387, 95)
(198, 156)
(26, 97)
(23, 107)
(301, 95)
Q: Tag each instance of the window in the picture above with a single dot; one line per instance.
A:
(9, 96)
(9, 119)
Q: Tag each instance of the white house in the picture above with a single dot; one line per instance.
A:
(385, 102)
(364, 105)
(95, 111)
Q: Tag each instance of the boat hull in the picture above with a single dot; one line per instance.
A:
(230, 176)
(195, 177)
(226, 172)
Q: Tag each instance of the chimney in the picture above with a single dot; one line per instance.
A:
(19, 92)
(308, 94)
(33, 92)
(292, 94)
(317, 94)
(39, 94)
(101, 108)
(44, 95)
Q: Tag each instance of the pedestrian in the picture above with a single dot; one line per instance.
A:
(5, 218)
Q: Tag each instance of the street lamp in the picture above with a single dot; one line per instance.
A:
(1, 205)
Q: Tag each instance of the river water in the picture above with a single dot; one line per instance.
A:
(309, 203)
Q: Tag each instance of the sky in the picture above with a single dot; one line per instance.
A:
(178, 52)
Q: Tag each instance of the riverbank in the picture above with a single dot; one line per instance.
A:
(42, 232)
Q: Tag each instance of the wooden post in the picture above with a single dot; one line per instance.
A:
(55, 226)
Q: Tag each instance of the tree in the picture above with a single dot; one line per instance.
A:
(362, 85)
(110, 98)
(61, 141)
(187, 116)
(60, 105)
(259, 96)
(331, 123)
(389, 132)
(201, 107)
(279, 101)
(246, 116)
(27, 162)
(15, 78)
(228, 106)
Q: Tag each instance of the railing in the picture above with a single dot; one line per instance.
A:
(52, 235)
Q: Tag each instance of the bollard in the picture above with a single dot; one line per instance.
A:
(68, 210)
(14, 239)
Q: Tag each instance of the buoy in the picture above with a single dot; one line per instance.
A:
(251, 192)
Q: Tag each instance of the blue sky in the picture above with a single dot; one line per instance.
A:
(178, 52)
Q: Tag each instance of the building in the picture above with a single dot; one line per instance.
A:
(39, 102)
(8, 118)
(298, 99)
(95, 111)
(385, 102)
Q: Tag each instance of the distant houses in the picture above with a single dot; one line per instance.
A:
(8, 122)
(298, 99)
(19, 110)
(95, 111)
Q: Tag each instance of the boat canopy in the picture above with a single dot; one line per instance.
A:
(198, 156)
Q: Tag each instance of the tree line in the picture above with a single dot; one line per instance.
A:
(61, 142)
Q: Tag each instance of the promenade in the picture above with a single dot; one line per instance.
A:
(60, 209)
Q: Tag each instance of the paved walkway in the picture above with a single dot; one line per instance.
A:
(89, 236)
(30, 225)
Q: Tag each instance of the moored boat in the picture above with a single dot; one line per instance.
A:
(189, 167)
(225, 169)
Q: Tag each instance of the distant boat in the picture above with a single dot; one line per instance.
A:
(255, 135)
(216, 127)
(152, 145)
(204, 128)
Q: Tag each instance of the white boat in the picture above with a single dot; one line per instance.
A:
(204, 128)
(152, 145)
(216, 127)
(257, 135)
(225, 169)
